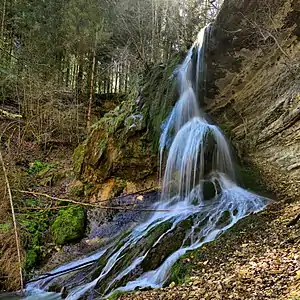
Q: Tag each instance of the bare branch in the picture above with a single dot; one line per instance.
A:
(89, 204)
(14, 220)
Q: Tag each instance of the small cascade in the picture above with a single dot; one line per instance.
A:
(199, 201)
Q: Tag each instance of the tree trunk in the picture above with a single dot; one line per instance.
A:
(79, 77)
(3, 19)
(89, 114)
(68, 75)
(117, 77)
(127, 70)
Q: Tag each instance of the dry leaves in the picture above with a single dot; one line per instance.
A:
(261, 262)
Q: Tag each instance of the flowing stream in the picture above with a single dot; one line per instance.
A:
(199, 201)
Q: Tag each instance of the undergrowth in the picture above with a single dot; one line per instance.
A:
(38, 166)
(35, 231)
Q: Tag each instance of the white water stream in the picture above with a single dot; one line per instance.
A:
(196, 153)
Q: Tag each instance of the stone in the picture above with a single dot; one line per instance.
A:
(260, 112)
(76, 188)
(69, 225)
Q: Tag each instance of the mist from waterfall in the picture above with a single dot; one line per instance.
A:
(197, 162)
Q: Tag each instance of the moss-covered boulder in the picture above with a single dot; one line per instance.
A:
(69, 225)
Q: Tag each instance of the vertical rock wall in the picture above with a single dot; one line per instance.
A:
(254, 86)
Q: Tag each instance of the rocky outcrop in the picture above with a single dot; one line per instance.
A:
(253, 88)
(116, 150)
(121, 149)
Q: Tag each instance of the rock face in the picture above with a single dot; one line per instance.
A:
(121, 150)
(253, 94)
(253, 84)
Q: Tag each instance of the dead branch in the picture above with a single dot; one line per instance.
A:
(89, 204)
(10, 115)
(14, 220)
(18, 211)
(265, 34)
(151, 189)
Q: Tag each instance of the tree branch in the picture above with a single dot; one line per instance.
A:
(14, 220)
(89, 204)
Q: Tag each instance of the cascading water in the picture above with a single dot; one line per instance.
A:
(199, 201)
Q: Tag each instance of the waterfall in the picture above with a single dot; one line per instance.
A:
(199, 201)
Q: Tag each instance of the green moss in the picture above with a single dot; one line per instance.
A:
(78, 158)
(116, 295)
(38, 167)
(224, 219)
(157, 231)
(34, 226)
(102, 145)
(178, 272)
(168, 244)
(31, 259)
(160, 94)
(69, 226)
(5, 227)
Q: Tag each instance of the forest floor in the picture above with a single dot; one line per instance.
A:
(259, 258)
(30, 167)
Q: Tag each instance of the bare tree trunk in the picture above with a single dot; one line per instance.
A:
(89, 114)
(73, 76)
(68, 75)
(3, 19)
(117, 77)
(79, 77)
(153, 8)
(127, 70)
(121, 76)
(111, 81)
(14, 221)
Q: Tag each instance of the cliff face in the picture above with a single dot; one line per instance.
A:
(254, 86)
(120, 152)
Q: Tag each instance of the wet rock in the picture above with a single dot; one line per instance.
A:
(210, 189)
(69, 225)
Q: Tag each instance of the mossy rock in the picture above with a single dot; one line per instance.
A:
(78, 158)
(76, 188)
(210, 189)
(178, 272)
(225, 219)
(116, 295)
(39, 168)
(124, 142)
(117, 146)
(69, 225)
